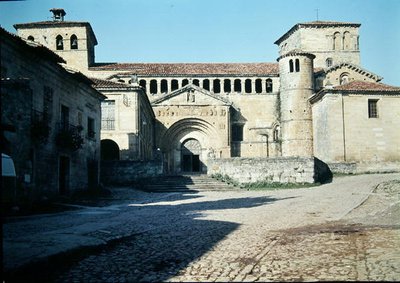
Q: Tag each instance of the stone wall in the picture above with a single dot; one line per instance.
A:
(126, 172)
(362, 168)
(277, 169)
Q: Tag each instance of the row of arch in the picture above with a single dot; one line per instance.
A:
(60, 41)
(215, 85)
(344, 41)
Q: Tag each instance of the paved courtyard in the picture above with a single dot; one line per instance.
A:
(345, 230)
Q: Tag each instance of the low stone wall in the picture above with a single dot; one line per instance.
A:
(277, 169)
(364, 167)
(125, 172)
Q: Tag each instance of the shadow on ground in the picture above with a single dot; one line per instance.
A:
(178, 237)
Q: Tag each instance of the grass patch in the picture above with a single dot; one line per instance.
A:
(272, 186)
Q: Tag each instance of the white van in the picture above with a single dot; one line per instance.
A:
(8, 179)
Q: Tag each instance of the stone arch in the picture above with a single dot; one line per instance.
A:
(74, 41)
(174, 85)
(59, 42)
(206, 84)
(336, 41)
(109, 150)
(344, 78)
(258, 86)
(179, 133)
(153, 86)
(268, 86)
(247, 86)
(143, 83)
(346, 41)
(31, 38)
(217, 86)
(196, 82)
(164, 86)
(227, 85)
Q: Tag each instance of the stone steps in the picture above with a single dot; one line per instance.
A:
(185, 183)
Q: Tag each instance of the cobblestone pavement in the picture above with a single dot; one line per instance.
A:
(350, 233)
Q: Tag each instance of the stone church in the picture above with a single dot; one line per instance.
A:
(316, 100)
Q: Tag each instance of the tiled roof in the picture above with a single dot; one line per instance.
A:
(367, 86)
(107, 84)
(191, 68)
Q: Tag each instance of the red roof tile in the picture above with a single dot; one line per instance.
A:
(107, 84)
(366, 86)
(192, 68)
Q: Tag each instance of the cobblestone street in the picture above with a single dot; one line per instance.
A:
(346, 230)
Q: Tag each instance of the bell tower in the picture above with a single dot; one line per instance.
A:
(73, 41)
(296, 80)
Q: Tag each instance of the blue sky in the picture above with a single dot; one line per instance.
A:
(217, 30)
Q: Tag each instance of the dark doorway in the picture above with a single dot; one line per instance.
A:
(191, 163)
(109, 150)
(191, 150)
(63, 177)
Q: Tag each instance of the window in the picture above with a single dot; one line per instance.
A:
(142, 83)
(153, 86)
(329, 62)
(268, 85)
(90, 128)
(247, 86)
(237, 132)
(64, 117)
(344, 78)
(59, 43)
(291, 65)
(297, 65)
(372, 108)
(217, 86)
(227, 85)
(74, 42)
(206, 84)
(185, 82)
(174, 85)
(346, 41)
(237, 85)
(31, 38)
(164, 86)
(196, 82)
(108, 115)
(258, 85)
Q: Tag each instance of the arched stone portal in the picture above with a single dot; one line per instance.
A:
(187, 144)
(109, 150)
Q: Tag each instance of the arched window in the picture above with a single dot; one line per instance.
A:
(59, 43)
(297, 65)
(185, 82)
(206, 84)
(344, 78)
(174, 85)
(268, 85)
(31, 38)
(258, 86)
(227, 85)
(142, 83)
(74, 42)
(217, 86)
(121, 81)
(336, 41)
(153, 86)
(276, 134)
(237, 85)
(346, 41)
(291, 66)
(164, 86)
(196, 82)
(329, 62)
(247, 86)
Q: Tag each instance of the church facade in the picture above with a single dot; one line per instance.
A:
(315, 101)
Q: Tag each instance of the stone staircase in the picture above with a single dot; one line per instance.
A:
(185, 183)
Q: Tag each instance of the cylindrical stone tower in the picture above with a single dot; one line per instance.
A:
(296, 87)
